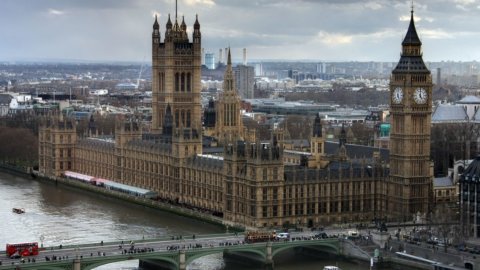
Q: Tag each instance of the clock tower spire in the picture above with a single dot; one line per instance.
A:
(410, 188)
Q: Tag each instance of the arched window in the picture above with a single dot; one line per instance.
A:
(183, 118)
(189, 82)
(188, 118)
(177, 82)
(182, 86)
(177, 117)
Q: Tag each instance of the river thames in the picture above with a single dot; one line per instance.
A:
(58, 215)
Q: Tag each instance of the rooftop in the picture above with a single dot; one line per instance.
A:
(443, 182)
(449, 113)
(469, 100)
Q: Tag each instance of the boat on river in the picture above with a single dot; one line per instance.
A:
(18, 210)
(330, 267)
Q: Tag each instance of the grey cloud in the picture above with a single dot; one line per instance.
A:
(120, 29)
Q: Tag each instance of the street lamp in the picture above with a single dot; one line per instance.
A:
(41, 240)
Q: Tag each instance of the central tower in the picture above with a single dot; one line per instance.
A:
(410, 184)
(229, 123)
(176, 72)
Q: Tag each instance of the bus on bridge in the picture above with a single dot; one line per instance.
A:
(15, 251)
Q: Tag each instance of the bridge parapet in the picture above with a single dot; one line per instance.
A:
(179, 258)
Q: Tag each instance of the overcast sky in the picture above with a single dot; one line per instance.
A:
(329, 30)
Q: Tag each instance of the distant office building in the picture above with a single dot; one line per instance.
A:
(293, 74)
(439, 76)
(210, 60)
(322, 67)
(244, 80)
(203, 56)
(245, 57)
(258, 69)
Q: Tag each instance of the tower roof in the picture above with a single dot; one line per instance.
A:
(411, 60)
(184, 25)
(155, 24)
(317, 127)
(473, 171)
(228, 77)
(411, 38)
(197, 24)
(169, 22)
(229, 61)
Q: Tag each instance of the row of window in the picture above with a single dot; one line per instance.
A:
(298, 209)
(51, 138)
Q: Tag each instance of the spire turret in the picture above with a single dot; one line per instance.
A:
(197, 24)
(229, 60)
(229, 120)
(196, 31)
(156, 31)
(156, 26)
(183, 25)
(411, 60)
(228, 80)
(169, 22)
(317, 127)
(411, 38)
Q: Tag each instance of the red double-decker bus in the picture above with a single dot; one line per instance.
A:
(22, 249)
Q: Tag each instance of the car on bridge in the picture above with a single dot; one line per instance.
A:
(283, 236)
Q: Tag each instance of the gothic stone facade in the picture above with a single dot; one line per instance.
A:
(250, 184)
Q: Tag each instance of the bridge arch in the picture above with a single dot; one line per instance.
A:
(86, 265)
(327, 246)
(248, 249)
(469, 265)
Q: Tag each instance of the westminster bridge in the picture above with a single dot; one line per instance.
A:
(173, 253)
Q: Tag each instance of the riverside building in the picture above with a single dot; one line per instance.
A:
(249, 182)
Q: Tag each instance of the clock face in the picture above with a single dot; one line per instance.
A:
(420, 96)
(397, 95)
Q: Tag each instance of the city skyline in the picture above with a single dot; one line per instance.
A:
(323, 30)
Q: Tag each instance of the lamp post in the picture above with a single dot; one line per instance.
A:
(41, 240)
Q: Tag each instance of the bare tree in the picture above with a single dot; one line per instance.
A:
(363, 134)
(299, 126)
(446, 224)
(262, 131)
(453, 141)
(22, 146)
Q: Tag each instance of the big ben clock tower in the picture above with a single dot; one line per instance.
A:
(410, 187)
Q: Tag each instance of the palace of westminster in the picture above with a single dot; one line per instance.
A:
(250, 182)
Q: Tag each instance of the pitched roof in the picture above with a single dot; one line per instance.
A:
(411, 38)
(449, 113)
(442, 182)
(5, 99)
(473, 171)
(357, 151)
(469, 100)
